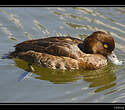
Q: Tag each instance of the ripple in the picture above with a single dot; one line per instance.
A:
(6, 31)
(42, 28)
(13, 18)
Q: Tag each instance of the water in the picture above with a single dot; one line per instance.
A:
(46, 85)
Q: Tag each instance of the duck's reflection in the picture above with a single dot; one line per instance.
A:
(101, 79)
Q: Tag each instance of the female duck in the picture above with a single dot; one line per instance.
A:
(67, 52)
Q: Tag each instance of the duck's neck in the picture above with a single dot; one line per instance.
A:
(85, 48)
(82, 47)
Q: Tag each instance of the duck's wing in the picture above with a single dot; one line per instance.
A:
(58, 46)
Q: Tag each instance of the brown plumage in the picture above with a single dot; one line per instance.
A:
(67, 52)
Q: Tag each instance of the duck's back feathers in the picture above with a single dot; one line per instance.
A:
(58, 46)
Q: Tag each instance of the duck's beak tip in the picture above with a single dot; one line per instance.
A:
(113, 58)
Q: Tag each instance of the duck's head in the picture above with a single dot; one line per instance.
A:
(101, 43)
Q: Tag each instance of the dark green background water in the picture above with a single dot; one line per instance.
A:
(46, 85)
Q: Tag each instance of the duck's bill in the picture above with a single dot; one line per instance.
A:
(113, 58)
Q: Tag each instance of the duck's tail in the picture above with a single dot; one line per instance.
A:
(8, 55)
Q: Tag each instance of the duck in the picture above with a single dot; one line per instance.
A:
(68, 53)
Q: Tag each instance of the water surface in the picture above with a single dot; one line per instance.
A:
(45, 85)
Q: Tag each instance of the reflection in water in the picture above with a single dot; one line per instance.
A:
(102, 79)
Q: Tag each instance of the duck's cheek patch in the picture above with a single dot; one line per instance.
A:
(113, 58)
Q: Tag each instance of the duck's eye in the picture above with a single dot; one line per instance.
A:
(105, 46)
